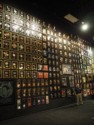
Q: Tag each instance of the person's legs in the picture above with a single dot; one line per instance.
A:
(80, 97)
(77, 99)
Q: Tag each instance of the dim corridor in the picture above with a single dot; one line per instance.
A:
(66, 115)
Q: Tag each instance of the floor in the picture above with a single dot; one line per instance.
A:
(66, 115)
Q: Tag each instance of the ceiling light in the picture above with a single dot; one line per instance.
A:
(84, 27)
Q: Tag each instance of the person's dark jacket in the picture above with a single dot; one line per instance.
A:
(78, 90)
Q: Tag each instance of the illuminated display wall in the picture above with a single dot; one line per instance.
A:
(46, 64)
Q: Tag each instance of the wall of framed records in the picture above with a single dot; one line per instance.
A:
(45, 64)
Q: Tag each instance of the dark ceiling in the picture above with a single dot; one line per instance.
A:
(53, 12)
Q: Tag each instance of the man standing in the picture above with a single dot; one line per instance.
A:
(78, 92)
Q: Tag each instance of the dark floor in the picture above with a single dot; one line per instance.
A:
(68, 115)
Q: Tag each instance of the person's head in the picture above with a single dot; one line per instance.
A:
(77, 85)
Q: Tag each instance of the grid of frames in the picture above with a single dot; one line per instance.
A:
(45, 63)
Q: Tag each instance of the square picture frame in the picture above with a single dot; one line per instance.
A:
(66, 68)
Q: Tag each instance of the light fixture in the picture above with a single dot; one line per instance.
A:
(84, 26)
